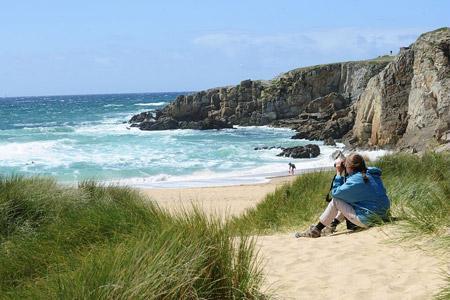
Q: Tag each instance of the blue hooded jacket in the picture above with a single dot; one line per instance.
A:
(368, 199)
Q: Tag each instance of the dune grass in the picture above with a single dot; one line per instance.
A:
(445, 293)
(106, 242)
(291, 205)
(418, 187)
(97, 242)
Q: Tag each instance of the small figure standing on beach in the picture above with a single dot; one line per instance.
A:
(291, 168)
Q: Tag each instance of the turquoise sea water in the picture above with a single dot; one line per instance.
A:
(86, 137)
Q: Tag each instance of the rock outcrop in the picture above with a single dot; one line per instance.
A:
(407, 105)
(307, 151)
(401, 101)
(329, 117)
(314, 93)
(381, 116)
(155, 121)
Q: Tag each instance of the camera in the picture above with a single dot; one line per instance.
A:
(341, 164)
(339, 158)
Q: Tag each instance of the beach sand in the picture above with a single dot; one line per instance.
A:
(363, 265)
(220, 201)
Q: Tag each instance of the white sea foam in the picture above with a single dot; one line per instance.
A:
(151, 104)
(254, 175)
(107, 129)
(112, 105)
(108, 149)
(33, 125)
(210, 176)
(45, 153)
(374, 155)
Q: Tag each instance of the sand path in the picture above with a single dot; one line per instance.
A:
(364, 265)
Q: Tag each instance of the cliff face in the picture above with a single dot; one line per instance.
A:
(287, 96)
(399, 102)
(381, 116)
(408, 103)
(314, 100)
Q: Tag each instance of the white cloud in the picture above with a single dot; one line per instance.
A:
(324, 43)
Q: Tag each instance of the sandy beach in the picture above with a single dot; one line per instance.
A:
(222, 201)
(362, 265)
(343, 266)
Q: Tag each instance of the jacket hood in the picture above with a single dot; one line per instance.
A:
(374, 171)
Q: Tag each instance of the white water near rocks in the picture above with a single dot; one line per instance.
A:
(75, 138)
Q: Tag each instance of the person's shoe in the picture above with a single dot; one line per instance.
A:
(312, 232)
(329, 230)
(351, 226)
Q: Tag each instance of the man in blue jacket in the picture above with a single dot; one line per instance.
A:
(360, 198)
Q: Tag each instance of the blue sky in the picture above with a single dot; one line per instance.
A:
(86, 47)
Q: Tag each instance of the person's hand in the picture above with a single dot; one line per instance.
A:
(339, 163)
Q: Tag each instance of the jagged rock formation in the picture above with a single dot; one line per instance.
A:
(382, 110)
(387, 102)
(307, 151)
(155, 121)
(329, 117)
(408, 103)
(314, 93)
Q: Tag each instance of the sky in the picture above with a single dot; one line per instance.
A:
(92, 47)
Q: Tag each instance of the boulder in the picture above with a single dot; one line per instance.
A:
(329, 142)
(268, 148)
(308, 151)
(141, 117)
(162, 124)
(214, 124)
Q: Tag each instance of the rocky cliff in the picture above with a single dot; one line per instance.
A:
(400, 101)
(408, 104)
(312, 93)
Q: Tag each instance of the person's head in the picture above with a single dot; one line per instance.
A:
(355, 163)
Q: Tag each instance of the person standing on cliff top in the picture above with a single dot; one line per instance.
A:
(291, 168)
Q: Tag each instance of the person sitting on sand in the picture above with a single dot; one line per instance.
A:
(361, 198)
(291, 168)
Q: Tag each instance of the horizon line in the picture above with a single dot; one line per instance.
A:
(97, 94)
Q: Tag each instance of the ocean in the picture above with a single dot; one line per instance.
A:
(75, 138)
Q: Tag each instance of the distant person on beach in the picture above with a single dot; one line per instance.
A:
(291, 168)
(360, 198)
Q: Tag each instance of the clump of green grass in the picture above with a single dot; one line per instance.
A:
(289, 206)
(419, 188)
(99, 242)
(444, 294)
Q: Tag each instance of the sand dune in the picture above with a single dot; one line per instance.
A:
(364, 265)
